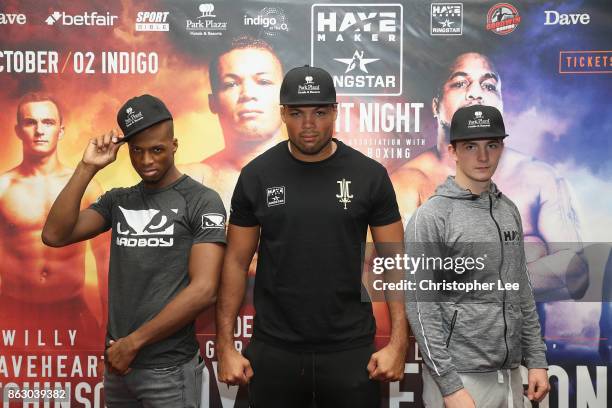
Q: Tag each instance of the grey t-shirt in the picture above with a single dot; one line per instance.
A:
(152, 235)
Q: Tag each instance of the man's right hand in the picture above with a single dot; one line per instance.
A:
(459, 399)
(234, 369)
(102, 150)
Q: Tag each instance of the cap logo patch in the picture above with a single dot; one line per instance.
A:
(309, 87)
(479, 121)
(132, 117)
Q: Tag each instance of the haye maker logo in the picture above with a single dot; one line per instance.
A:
(85, 19)
(132, 117)
(503, 18)
(446, 19)
(146, 228)
(360, 45)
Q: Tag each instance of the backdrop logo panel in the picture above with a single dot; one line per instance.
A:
(446, 19)
(360, 45)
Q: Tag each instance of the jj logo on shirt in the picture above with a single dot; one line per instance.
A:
(344, 196)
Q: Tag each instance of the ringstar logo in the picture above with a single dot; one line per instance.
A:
(374, 30)
(146, 228)
(86, 19)
(357, 62)
(152, 21)
(446, 19)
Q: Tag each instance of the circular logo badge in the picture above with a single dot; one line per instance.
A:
(503, 18)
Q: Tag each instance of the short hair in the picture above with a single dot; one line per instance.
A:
(37, 97)
(239, 43)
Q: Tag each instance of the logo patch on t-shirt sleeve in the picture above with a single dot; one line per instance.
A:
(213, 220)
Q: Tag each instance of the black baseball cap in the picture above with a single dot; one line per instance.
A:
(307, 86)
(140, 113)
(477, 122)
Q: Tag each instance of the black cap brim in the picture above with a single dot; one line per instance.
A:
(480, 137)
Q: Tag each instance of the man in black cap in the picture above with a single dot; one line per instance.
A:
(168, 236)
(309, 202)
(473, 341)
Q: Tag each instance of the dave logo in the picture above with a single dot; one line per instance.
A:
(146, 228)
(275, 196)
(511, 236)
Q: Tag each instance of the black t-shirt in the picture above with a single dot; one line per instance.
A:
(314, 218)
(153, 232)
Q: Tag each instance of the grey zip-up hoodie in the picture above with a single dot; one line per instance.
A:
(481, 331)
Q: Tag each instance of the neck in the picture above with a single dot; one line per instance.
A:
(323, 154)
(40, 165)
(241, 153)
(170, 177)
(475, 186)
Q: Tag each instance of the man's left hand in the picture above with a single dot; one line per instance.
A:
(387, 364)
(120, 355)
(538, 384)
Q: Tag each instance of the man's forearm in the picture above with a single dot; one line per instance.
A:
(399, 326)
(64, 212)
(231, 293)
(183, 309)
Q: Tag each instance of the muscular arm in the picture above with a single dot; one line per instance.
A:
(559, 272)
(205, 262)
(242, 242)
(388, 363)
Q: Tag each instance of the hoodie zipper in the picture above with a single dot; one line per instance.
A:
(501, 244)
(452, 326)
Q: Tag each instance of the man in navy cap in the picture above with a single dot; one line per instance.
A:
(309, 202)
(473, 341)
(168, 242)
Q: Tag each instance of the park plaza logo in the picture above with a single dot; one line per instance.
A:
(10, 19)
(146, 228)
(479, 121)
(503, 18)
(446, 19)
(132, 117)
(206, 23)
(86, 19)
(152, 21)
(309, 86)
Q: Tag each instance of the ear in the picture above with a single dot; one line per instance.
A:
(174, 145)
(435, 106)
(335, 109)
(61, 133)
(283, 112)
(18, 131)
(212, 103)
(452, 153)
